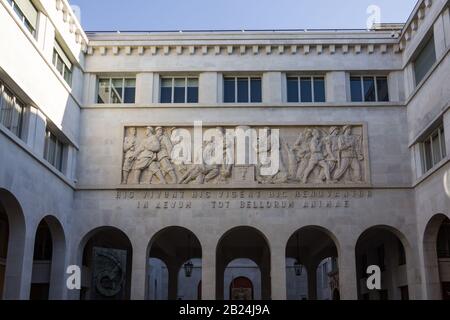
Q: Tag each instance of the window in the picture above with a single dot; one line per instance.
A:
(305, 89)
(425, 60)
(369, 89)
(116, 90)
(62, 63)
(27, 13)
(179, 90)
(242, 90)
(433, 149)
(11, 111)
(53, 150)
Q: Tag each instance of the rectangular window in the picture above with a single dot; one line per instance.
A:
(53, 150)
(305, 89)
(433, 149)
(27, 13)
(242, 90)
(11, 111)
(425, 60)
(116, 90)
(179, 90)
(369, 89)
(62, 63)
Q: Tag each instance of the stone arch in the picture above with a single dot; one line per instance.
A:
(389, 248)
(176, 246)
(110, 248)
(309, 246)
(245, 242)
(58, 256)
(13, 288)
(432, 280)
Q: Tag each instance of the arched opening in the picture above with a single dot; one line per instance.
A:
(243, 243)
(242, 279)
(311, 264)
(436, 248)
(12, 245)
(107, 257)
(382, 246)
(179, 250)
(241, 288)
(47, 279)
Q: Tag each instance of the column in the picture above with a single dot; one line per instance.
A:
(208, 88)
(347, 273)
(337, 89)
(144, 88)
(312, 281)
(173, 269)
(278, 271)
(272, 87)
(209, 272)
(447, 131)
(139, 272)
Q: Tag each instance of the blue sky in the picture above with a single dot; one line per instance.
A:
(98, 15)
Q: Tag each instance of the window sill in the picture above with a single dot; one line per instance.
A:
(432, 171)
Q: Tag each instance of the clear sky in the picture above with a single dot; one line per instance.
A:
(146, 15)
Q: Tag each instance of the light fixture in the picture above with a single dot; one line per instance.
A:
(298, 268)
(188, 266)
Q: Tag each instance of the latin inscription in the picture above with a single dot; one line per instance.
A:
(226, 200)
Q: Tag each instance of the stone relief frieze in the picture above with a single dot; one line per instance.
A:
(303, 155)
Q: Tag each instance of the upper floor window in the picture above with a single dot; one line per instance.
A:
(62, 63)
(27, 13)
(305, 89)
(242, 90)
(179, 90)
(116, 90)
(54, 149)
(433, 149)
(369, 89)
(11, 110)
(424, 61)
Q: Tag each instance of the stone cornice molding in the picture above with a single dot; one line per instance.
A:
(75, 28)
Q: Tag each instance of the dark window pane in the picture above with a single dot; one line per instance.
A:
(428, 160)
(179, 94)
(242, 87)
(255, 90)
(305, 90)
(130, 94)
(425, 61)
(166, 91)
(229, 90)
(192, 90)
(292, 90)
(382, 87)
(355, 88)
(319, 89)
(369, 89)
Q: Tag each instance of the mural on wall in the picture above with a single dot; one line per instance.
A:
(303, 155)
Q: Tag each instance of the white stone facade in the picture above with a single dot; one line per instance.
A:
(85, 202)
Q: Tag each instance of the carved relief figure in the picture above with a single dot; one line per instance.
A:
(349, 156)
(302, 153)
(316, 157)
(331, 143)
(129, 149)
(164, 153)
(109, 272)
(146, 156)
(265, 148)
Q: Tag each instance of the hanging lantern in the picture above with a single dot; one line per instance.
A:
(188, 267)
(298, 268)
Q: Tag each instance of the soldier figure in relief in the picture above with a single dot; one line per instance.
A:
(316, 158)
(331, 143)
(129, 148)
(146, 157)
(164, 153)
(350, 155)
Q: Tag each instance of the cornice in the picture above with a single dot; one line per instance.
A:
(75, 28)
